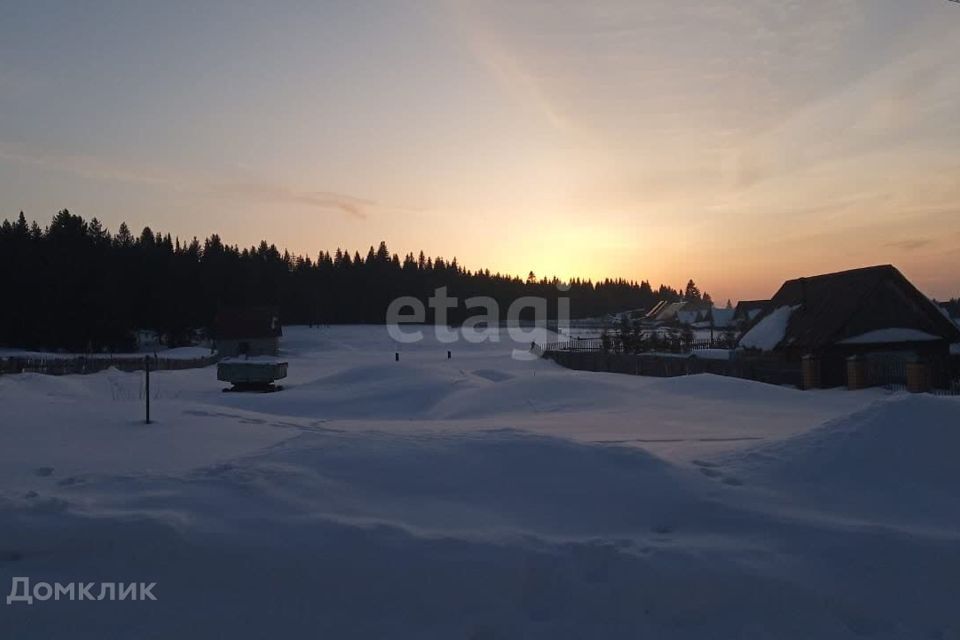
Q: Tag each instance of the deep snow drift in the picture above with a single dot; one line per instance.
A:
(477, 497)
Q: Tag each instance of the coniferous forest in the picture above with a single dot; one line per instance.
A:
(74, 285)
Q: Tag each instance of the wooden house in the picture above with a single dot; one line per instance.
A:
(874, 312)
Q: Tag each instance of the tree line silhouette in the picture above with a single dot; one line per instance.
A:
(74, 285)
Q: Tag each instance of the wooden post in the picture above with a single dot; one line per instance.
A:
(396, 356)
(146, 368)
(449, 355)
(918, 376)
(856, 372)
(810, 371)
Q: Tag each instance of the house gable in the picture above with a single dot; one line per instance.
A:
(833, 307)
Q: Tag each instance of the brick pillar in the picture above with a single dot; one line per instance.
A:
(810, 369)
(856, 373)
(918, 376)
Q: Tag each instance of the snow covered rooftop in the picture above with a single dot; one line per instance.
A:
(834, 306)
(722, 317)
(890, 336)
(769, 331)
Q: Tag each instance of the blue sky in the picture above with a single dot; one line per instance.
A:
(736, 143)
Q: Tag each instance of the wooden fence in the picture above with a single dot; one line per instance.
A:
(613, 345)
(589, 355)
(666, 365)
(94, 364)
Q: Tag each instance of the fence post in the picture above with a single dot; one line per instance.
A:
(918, 376)
(856, 373)
(146, 368)
(810, 371)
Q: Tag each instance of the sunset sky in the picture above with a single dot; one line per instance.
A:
(737, 143)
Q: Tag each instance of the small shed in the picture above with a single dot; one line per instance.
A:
(248, 331)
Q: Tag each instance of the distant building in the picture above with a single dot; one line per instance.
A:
(664, 311)
(747, 310)
(694, 311)
(723, 317)
(686, 313)
(252, 331)
(874, 311)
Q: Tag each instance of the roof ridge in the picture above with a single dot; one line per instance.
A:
(876, 267)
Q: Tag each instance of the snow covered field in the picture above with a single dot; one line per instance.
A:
(477, 497)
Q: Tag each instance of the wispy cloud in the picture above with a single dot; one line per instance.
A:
(246, 188)
(507, 67)
(910, 244)
(273, 193)
(87, 166)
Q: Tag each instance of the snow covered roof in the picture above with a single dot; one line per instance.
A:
(253, 360)
(657, 308)
(834, 307)
(749, 309)
(717, 318)
(891, 335)
(713, 354)
(666, 311)
(722, 317)
(769, 331)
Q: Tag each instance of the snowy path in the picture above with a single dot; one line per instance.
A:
(478, 497)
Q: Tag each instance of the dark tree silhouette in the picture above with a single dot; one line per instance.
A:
(73, 285)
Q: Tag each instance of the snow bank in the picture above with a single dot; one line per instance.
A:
(769, 332)
(476, 497)
(897, 458)
(175, 353)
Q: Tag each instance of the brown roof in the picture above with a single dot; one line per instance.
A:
(238, 323)
(835, 306)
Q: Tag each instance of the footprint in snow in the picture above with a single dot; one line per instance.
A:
(710, 473)
(43, 472)
(49, 505)
(704, 463)
(10, 556)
